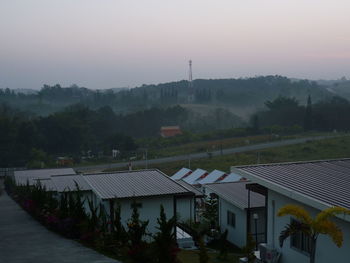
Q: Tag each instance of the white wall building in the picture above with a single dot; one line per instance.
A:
(236, 211)
(149, 188)
(314, 185)
(24, 176)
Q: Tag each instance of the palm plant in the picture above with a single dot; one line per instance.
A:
(312, 227)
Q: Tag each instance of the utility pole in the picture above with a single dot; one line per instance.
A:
(190, 84)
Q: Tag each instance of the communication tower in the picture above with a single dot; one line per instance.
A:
(190, 97)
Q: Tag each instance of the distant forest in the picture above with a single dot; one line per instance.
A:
(226, 93)
(81, 121)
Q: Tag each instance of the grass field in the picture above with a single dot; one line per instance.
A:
(213, 145)
(316, 150)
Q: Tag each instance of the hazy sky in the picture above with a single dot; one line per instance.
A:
(115, 43)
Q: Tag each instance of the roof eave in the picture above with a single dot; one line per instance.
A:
(229, 201)
(149, 196)
(287, 192)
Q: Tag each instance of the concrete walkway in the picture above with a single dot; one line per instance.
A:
(23, 240)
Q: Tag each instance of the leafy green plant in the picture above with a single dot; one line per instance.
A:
(203, 251)
(223, 247)
(249, 248)
(211, 211)
(136, 233)
(165, 239)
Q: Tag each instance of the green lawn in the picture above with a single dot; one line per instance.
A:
(213, 145)
(315, 150)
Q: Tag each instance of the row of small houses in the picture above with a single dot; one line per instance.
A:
(248, 202)
(149, 188)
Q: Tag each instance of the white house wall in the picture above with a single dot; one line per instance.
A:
(150, 209)
(237, 234)
(326, 250)
(185, 209)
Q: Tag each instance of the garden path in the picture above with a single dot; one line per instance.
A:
(24, 240)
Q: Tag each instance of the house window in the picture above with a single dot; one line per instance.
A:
(301, 241)
(231, 219)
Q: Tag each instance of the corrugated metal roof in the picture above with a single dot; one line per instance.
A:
(212, 177)
(193, 189)
(193, 177)
(66, 183)
(237, 194)
(47, 183)
(181, 173)
(22, 176)
(232, 177)
(140, 183)
(23, 180)
(326, 181)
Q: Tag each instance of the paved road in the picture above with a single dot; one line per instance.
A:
(194, 156)
(23, 240)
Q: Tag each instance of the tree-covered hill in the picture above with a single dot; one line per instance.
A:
(227, 93)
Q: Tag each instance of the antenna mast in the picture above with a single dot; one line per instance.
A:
(190, 83)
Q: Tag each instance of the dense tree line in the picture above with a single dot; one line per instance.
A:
(326, 115)
(79, 129)
(76, 129)
(247, 92)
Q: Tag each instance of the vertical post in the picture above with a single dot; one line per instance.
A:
(111, 212)
(273, 222)
(266, 215)
(192, 200)
(175, 212)
(255, 216)
(248, 215)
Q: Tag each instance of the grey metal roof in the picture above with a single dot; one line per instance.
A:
(237, 194)
(232, 177)
(139, 183)
(66, 183)
(212, 177)
(181, 173)
(47, 183)
(193, 189)
(193, 177)
(326, 182)
(22, 176)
